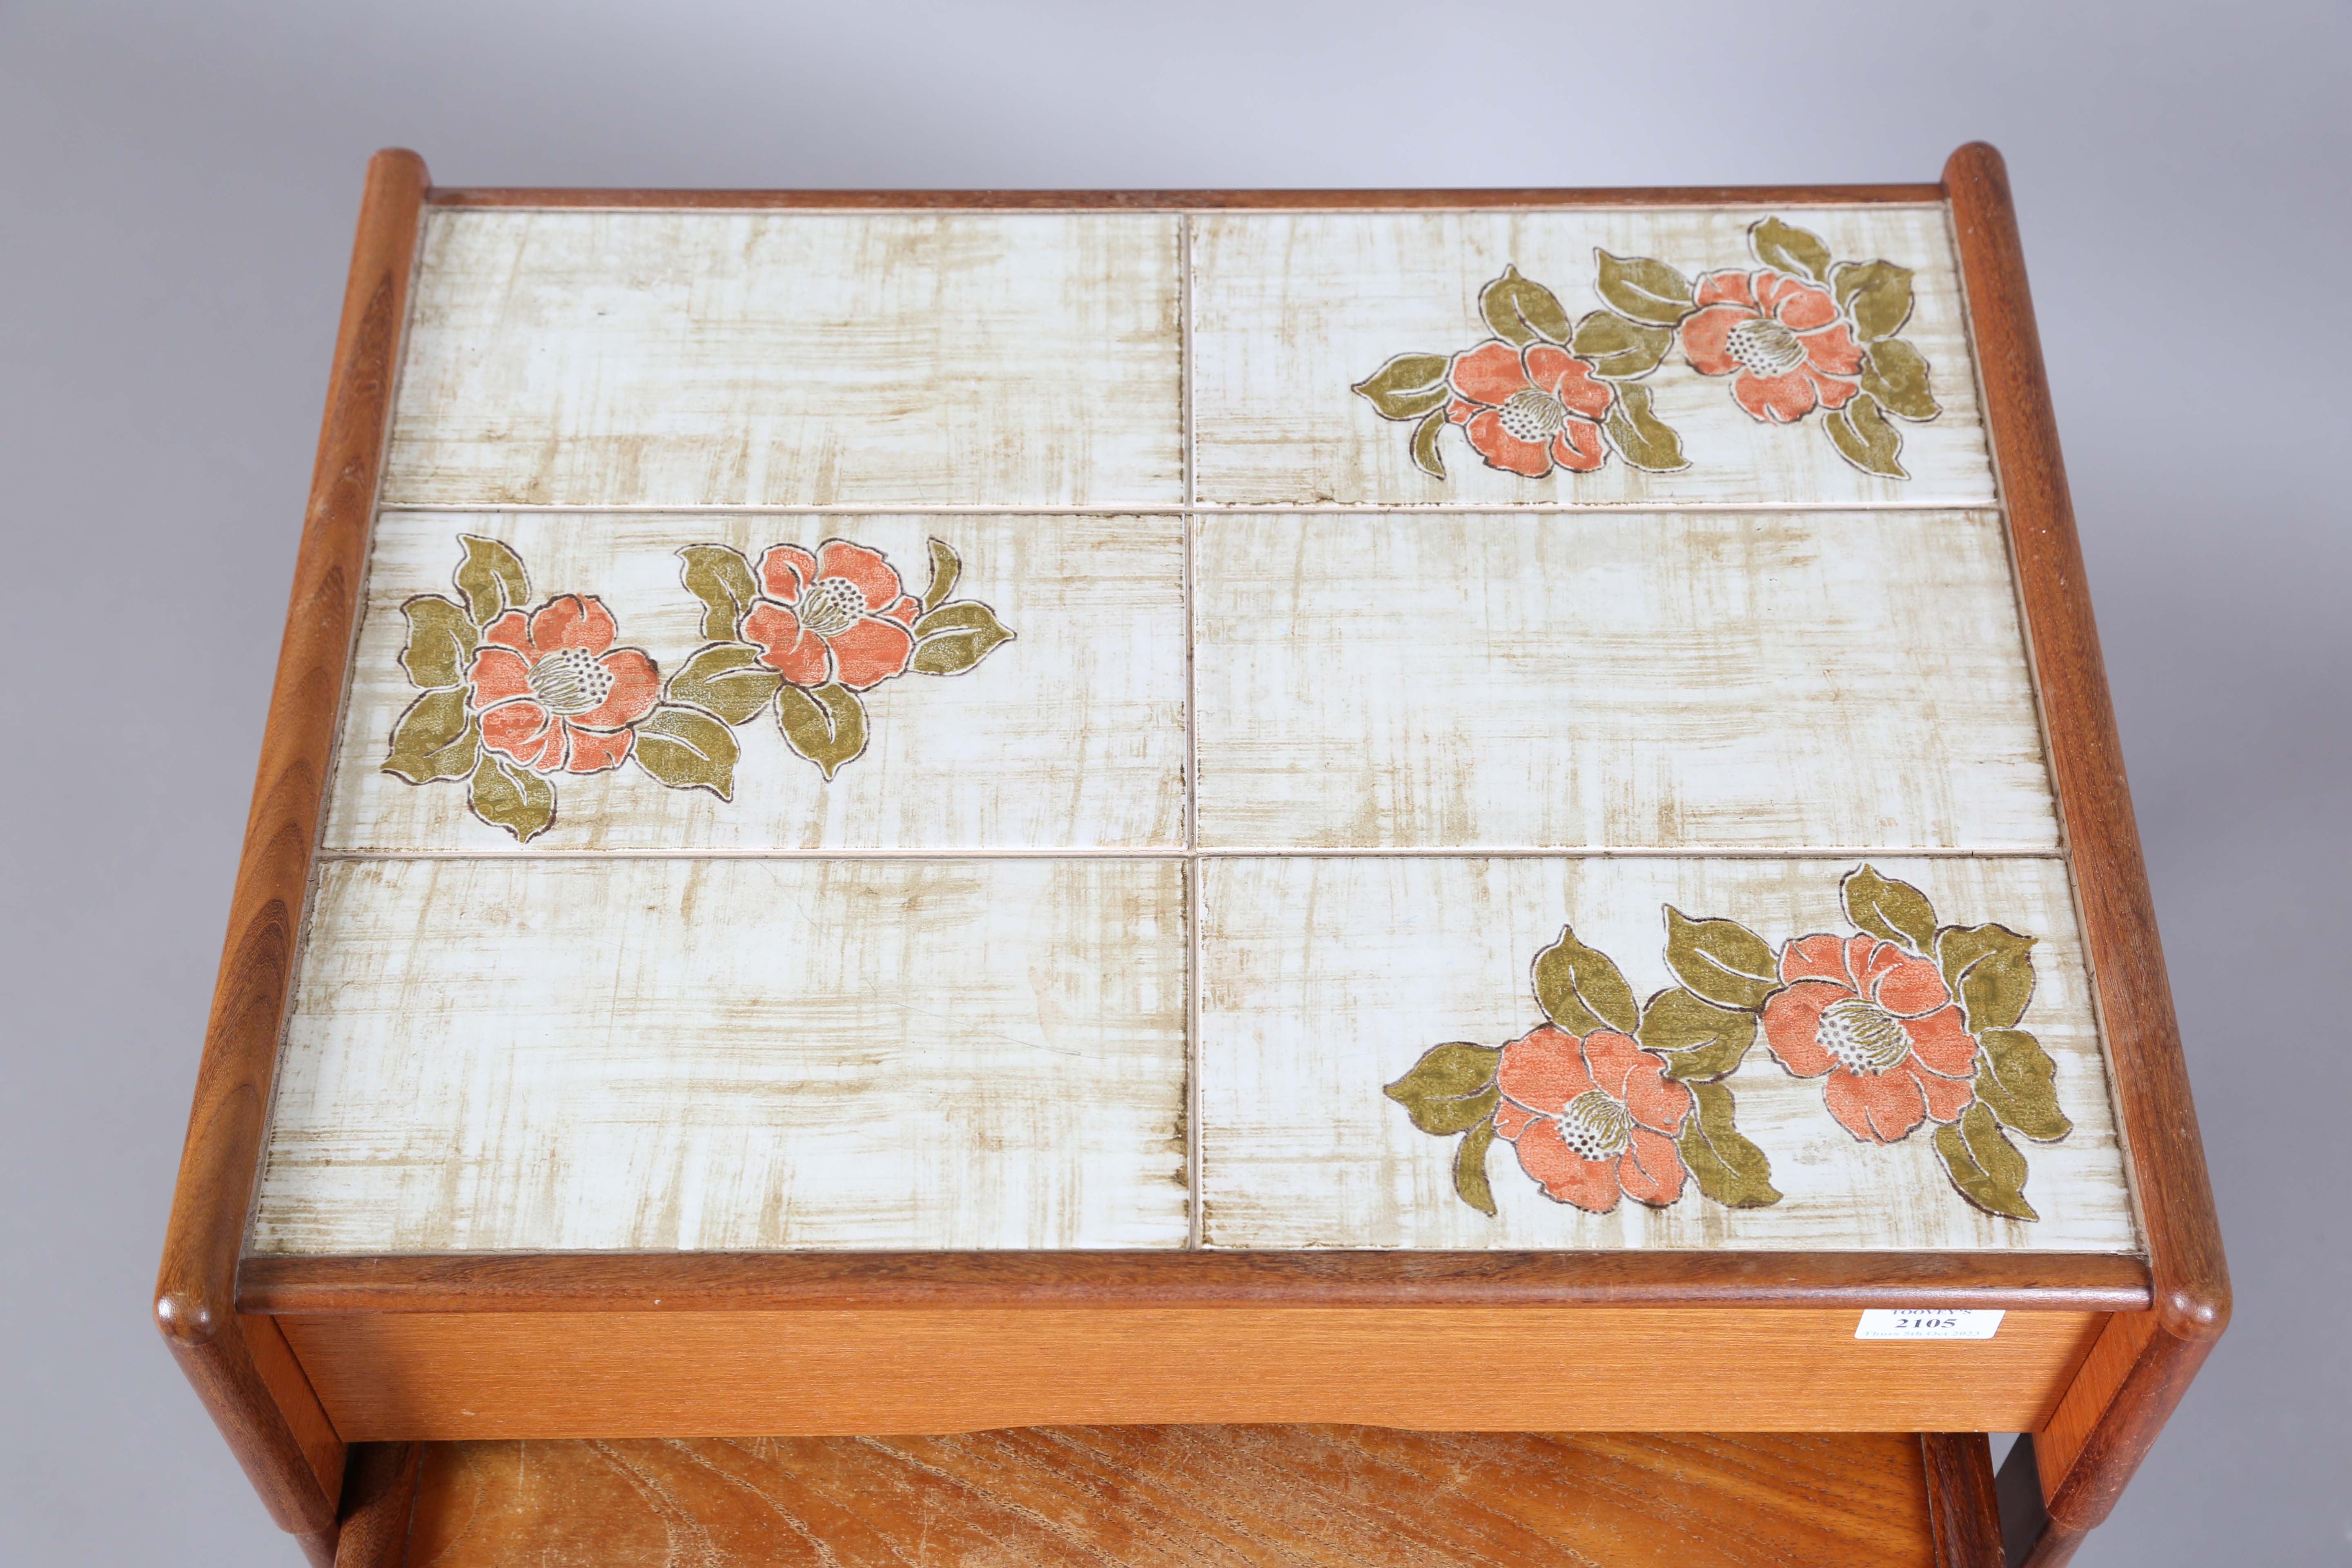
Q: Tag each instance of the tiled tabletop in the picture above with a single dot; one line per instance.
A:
(1338, 728)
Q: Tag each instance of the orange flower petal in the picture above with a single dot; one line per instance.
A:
(1491, 373)
(1729, 286)
(1800, 306)
(1706, 334)
(510, 629)
(1878, 1108)
(1565, 1176)
(1793, 1025)
(570, 620)
(1942, 1043)
(1651, 1171)
(785, 571)
(1503, 450)
(593, 753)
(1833, 350)
(1543, 1070)
(1907, 986)
(904, 611)
(497, 675)
(526, 734)
(1834, 393)
(1820, 956)
(1511, 1119)
(1777, 399)
(1946, 1097)
(1635, 1080)
(870, 651)
(786, 645)
(1579, 448)
(1555, 370)
(862, 568)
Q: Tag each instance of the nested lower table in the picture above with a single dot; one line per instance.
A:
(927, 812)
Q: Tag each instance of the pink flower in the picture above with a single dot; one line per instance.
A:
(1778, 337)
(1881, 1023)
(837, 615)
(1592, 1118)
(1526, 410)
(554, 694)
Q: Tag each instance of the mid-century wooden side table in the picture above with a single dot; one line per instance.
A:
(919, 812)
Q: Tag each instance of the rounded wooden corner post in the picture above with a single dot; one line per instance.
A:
(2142, 1362)
(241, 1366)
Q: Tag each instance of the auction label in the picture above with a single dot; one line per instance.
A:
(1928, 1324)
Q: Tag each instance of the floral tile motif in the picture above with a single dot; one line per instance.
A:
(512, 699)
(1905, 1021)
(1652, 1052)
(887, 360)
(1812, 356)
(1638, 679)
(1798, 332)
(944, 682)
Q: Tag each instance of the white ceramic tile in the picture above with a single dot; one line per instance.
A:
(909, 359)
(1290, 312)
(1324, 979)
(1070, 736)
(662, 1054)
(1790, 680)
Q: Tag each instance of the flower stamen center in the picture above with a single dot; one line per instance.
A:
(1863, 1036)
(1595, 1126)
(828, 605)
(1765, 347)
(1533, 416)
(570, 681)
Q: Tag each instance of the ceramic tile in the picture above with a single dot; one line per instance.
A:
(603, 358)
(1323, 980)
(665, 1054)
(1703, 317)
(1679, 680)
(1069, 735)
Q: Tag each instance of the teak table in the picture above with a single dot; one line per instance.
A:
(931, 812)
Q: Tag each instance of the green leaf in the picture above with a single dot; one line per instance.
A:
(826, 725)
(441, 642)
(955, 636)
(1424, 444)
(1620, 349)
(1896, 373)
(1789, 249)
(725, 678)
(435, 739)
(1876, 294)
(718, 576)
(1888, 910)
(1989, 969)
(515, 798)
(1451, 1088)
(1863, 437)
(1582, 990)
(1644, 289)
(491, 579)
(1699, 1040)
(1641, 438)
(1408, 386)
(1470, 1167)
(946, 567)
(1984, 1165)
(2016, 1082)
(1722, 961)
(1518, 311)
(1728, 1168)
(687, 748)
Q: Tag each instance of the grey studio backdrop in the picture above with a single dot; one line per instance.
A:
(181, 182)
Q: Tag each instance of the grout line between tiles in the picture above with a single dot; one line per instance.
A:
(1194, 1228)
(1180, 509)
(1461, 852)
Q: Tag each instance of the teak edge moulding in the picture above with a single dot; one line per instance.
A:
(224, 1330)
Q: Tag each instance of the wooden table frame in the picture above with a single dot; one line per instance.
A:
(222, 1322)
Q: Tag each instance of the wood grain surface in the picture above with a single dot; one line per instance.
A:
(693, 1282)
(379, 1500)
(486, 1373)
(1323, 979)
(1673, 681)
(1181, 1498)
(195, 1282)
